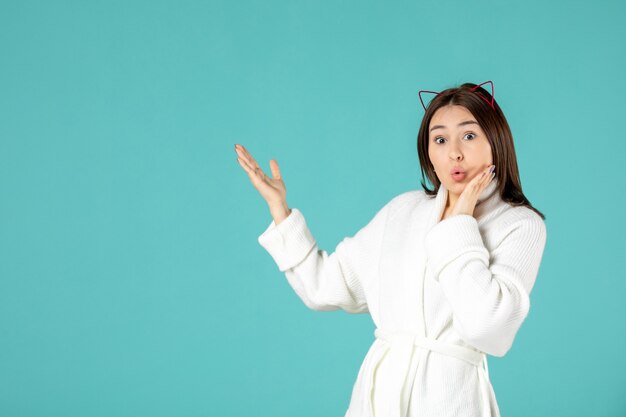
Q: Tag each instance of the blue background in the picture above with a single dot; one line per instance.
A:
(131, 279)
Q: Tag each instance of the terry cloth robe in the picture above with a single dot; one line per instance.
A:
(443, 294)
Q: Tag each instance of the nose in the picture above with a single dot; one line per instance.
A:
(455, 154)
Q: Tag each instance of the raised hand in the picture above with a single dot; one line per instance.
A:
(273, 190)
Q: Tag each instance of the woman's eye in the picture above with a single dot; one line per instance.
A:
(439, 137)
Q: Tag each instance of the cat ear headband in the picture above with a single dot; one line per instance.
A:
(472, 89)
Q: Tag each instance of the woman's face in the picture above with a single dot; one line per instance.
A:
(456, 140)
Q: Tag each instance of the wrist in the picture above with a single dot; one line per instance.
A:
(279, 211)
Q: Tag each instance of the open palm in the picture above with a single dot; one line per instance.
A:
(273, 190)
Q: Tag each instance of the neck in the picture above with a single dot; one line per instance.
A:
(451, 201)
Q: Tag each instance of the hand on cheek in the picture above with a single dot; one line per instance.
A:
(468, 198)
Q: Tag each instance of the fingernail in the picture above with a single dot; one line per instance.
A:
(493, 168)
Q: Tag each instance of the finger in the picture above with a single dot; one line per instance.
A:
(243, 154)
(245, 163)
(251, 161)
(490, 174)
(275, 169)
(245, 167)
(485, 174)
(479, 182)
(255, 173)
(487, 177)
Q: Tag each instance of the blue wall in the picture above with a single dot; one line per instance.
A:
(131, 280)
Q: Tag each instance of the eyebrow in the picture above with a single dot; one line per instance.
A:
(467, 122)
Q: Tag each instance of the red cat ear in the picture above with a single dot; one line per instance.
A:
(490, 102)
(425, 91)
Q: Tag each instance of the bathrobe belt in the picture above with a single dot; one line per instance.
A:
(400, 348)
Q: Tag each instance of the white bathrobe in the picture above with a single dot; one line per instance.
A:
(442, 293)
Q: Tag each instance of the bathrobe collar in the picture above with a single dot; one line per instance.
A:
(487, 200)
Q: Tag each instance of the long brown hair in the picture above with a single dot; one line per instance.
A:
(495, 126)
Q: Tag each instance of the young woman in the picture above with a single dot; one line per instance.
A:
(446, 274)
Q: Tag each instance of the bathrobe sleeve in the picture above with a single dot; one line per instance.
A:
(326, 282)
(489, 293)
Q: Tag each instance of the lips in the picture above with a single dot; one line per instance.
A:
(457, 170)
